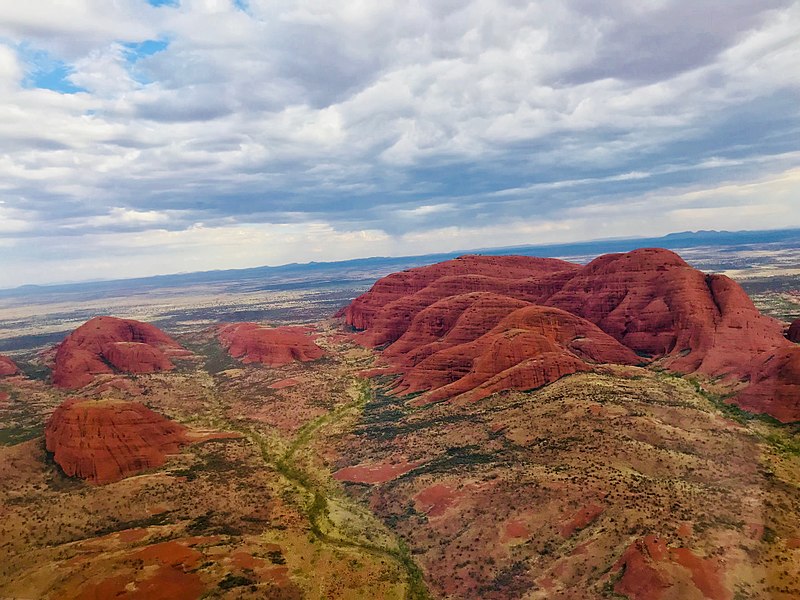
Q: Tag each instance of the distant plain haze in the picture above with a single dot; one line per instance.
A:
(143, 137)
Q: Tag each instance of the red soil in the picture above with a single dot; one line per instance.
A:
(7, 366)
(375, 473)
(435, 500)
(580, 519)
(245, 560)
(284, 383)
(651, 571)
(132, 535)
(111, 345)
(271, 346)
(169, 576)
(172, 553)
(516, 530)
(106, 440)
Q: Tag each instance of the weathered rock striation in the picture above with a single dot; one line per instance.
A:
(7, 366)
(271, 346)
(531, 347)
(106, 345)
(103, 441)
(388, 309)
(650, 301)
(774, 385)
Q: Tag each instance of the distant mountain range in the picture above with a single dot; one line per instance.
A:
(314, 273)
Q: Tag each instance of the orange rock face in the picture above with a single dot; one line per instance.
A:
(775, 385)
(531, 347)
(442, 325)
(388, 308)
(653, 571)
(103, 441)
(7, 366)
(271, 346)
(656, 304)
(111, 345)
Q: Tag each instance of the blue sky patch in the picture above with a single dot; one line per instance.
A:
(164, 2)
(137, 50)
(46, 72)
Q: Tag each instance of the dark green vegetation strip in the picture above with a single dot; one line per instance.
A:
(785, 438)
(10, 436)
(317, 509)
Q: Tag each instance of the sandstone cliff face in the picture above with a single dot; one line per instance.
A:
(103, 441)
(530, 347)
(655, 303)
(271, 346)
(775, 385)
(649, 300)
(109, 345)
(462, 275)
(7, 366)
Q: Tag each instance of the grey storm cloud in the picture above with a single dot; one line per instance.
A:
(386, 127)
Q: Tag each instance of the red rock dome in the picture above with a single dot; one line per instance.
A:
(530, 347)
(110, 345)
(103, 441)
(7, 366)
(775, 385)
(430, 319)
(271, 346)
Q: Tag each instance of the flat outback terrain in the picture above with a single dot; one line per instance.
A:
(621, 425)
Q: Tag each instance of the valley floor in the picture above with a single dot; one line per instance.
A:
(623, 483)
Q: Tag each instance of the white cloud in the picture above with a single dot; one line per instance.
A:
(390, 118)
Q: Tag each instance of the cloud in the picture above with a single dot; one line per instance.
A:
(402, 120)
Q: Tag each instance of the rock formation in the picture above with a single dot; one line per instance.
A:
(7, 366)
(112, 345)
(387, 310)
(774, 385)
(439, 325)
(103, 441)
(656, 304)
(793, 333)
(531, 347)
(271, 346)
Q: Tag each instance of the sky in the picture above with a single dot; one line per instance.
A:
(140, 137)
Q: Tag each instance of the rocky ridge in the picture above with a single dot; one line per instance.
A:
(650, 301)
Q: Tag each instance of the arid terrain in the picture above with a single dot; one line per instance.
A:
(484, 428)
